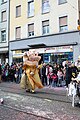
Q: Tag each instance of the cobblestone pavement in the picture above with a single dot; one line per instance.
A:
(47, 92)
(10, 114)
(20, 107)
(53, 110)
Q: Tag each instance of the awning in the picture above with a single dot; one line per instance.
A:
(37, 46)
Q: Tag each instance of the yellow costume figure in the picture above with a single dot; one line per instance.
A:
(31, 67)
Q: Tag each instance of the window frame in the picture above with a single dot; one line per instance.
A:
(45, 9)
(46, 27)
(16, 37)
(3, 35)
(2, 2)
(30, 11)
(3, 20)
(64, 25)
(17, 12)
(32, 31)
(59, 2)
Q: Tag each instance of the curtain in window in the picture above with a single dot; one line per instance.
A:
(18, 32)
(45, 23)
(63, 21)
(30, 27)
(18, 10)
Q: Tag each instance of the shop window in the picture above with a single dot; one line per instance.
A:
(18, 32)
(3, 16)
(63, 24)
(3, 36)
(31, 30)
(45, 27)
(45, 6)
(18, 51)
(30, 8)
(18, 11)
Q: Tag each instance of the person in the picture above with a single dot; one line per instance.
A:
(17, 75)
(78, 63)
(60, 77)
(43, 75)
(77, 79)
(30, 63)
(68, 74)
(74, 70)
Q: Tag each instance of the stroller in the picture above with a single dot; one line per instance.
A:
(74, 89)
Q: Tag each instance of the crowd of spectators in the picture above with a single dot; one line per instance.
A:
(51, 74)
(11, 73)
(58, 74)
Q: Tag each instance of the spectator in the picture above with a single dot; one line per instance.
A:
(17, 75)
(60, 77)
(43, 74)
(68, 73)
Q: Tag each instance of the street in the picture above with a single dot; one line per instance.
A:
(18, 106)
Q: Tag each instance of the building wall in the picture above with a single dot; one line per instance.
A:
(4, 25)
(54, 38)
(70, 9)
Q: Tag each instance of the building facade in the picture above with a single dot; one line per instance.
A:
(47, 26)
(4, 28)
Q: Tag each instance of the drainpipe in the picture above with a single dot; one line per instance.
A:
(8, 27)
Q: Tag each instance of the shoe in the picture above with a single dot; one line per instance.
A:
(32, 91)
(27, 90)
(77, 104)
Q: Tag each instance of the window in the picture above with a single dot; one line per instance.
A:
(3, 36)
(18, 11)
(3, 16)
(63, 24)
(4, 1)
(61, 1)
(31, 30)
(18, 32)
(30, 8)
(45, 25)
(45, 6)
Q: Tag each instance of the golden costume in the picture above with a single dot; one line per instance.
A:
(31, 68)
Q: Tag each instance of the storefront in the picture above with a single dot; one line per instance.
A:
(53, 54)
(52, 48)
(56, 54)
(58, 57)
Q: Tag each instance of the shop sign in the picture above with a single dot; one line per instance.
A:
(59, 49)
(54, 49)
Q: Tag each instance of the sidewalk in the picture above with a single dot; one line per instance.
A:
(57, 93)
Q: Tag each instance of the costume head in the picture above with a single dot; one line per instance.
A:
(31, 55)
